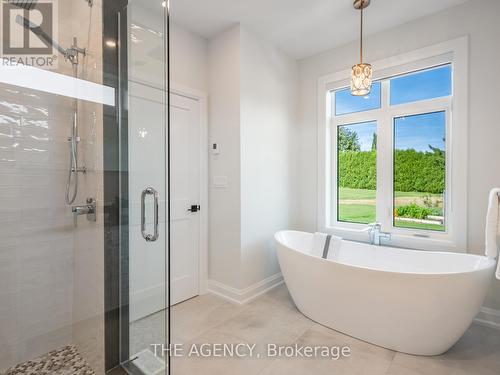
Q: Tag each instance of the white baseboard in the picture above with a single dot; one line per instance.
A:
(488, 317)
(242, 296)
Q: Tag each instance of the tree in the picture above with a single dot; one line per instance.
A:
(348, 140)
(374, 142)
(437, 151)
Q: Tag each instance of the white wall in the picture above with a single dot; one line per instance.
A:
(224, 128)
(478, 20)
(188, 58)
(188, 52)
(252, 113)
(269, 82)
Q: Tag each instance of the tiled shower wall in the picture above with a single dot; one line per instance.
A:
(88, 278)
(51, 272)
(37, 244)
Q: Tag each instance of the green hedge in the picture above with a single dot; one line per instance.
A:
(420, 171)
(414, 170)
(358, 169)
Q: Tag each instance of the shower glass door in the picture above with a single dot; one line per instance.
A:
(147, 184)
(83, 186)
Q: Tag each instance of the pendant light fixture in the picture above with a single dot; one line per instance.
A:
(361, 75)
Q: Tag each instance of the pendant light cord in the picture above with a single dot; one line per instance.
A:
(361, 38)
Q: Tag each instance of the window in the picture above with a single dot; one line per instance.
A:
(413, 121)
(346, 103)
(426, 84)
(357, 172)
(398, 156)
(419, 157)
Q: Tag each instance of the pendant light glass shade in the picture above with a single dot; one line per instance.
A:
(361, 79)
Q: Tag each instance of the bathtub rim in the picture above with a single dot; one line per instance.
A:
(489, 263)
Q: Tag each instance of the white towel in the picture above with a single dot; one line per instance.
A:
(493, 226)
(334, 251)
(326, 246)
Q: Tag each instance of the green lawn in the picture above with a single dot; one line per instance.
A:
(407, 224)
(348, 193)
(357, 213)
(358, 206)
(414, 194)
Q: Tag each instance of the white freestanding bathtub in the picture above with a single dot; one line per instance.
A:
(416, 302)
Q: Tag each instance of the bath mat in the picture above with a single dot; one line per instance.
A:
(65, 361)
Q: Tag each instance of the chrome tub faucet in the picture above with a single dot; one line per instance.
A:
(375, 231)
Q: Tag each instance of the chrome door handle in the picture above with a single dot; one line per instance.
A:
(148, 236)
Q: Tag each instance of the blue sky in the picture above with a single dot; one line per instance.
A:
(411, 132)
(433, 83)
(420, 131)
(347, 103)
(365, 133)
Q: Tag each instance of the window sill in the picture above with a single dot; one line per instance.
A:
(413, 242)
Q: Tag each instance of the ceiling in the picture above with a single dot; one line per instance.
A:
(301, 28)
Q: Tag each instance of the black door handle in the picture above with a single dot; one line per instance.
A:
(194, 208)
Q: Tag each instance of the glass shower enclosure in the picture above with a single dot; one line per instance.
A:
(84, 186)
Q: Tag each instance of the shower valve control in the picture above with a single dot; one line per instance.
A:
(89, 209)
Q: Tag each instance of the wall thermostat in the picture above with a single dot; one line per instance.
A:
(215, 149)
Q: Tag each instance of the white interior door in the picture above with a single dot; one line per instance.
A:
(185, 197)
(147, 259)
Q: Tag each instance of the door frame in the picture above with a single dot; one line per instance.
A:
(202, 98)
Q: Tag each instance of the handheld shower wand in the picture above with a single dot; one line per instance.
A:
(71, 54)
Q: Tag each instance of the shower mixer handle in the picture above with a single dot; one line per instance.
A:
(88, 209)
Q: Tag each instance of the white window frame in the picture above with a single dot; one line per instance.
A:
(455, 236)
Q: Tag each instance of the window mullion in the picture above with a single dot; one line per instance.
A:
(384, 162)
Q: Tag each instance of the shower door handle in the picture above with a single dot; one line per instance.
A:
(148, 236)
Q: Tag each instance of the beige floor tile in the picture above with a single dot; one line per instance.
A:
(195, 364)
(476, 353)
(282, 296)
(358, 364)
(404, 364)
(267, 320)
(273, 318)
(190, 319)
(364, 358)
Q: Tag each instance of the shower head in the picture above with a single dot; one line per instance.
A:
(24, 4)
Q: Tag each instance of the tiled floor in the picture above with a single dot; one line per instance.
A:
(273, 318)
(65, 361)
